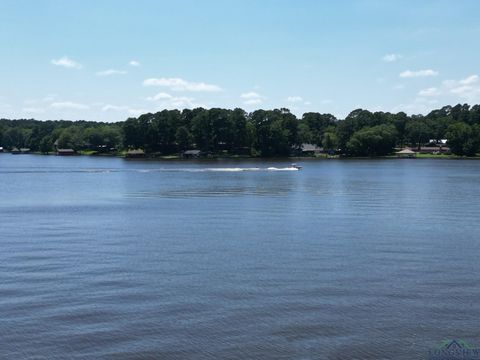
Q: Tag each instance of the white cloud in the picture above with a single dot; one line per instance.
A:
(467, 88)
(68, 105)
(177, 84)
(183, 102)
(294, 99)
(431, 91)
(111, 72)
(65, 61)
(134, 63)
(391, 57)
(419, 73)
(250, 95)
(253, 101)
(110, 107)
(164, 100)
(472, 79)
(460, 90)
(159, 96)
(252, 98)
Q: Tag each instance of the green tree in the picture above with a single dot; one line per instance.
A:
(240, 131)
(183, 138)
(372, 141)
(418, 132)
(314, 126)
(330, 140)
(72, 138)
(463, 139)
(46, 144)
(14, 137)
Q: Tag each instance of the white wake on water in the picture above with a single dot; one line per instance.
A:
(225, 169)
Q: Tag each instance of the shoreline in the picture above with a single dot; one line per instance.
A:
(244, 157)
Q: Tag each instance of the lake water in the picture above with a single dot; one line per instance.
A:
(106, 258)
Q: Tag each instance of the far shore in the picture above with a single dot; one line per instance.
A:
(246, 157)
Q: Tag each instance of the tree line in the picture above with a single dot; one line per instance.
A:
(265, 133)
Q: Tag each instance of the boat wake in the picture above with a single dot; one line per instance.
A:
(236, 169)
(153, 170)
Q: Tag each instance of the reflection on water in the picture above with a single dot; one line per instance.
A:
(113, 259)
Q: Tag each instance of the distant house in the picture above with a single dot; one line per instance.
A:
(65, 152)
(311, 149)
(135, 153)
(438, 142)
(16, 151)
(434, 150)
(406, 153)
(191, 154)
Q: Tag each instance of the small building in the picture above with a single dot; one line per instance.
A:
(435, 150)
(440, 142)
(24, 150)
(191, 154)
(406, 153)
(135, 153)
(65, 152)
(311, 149)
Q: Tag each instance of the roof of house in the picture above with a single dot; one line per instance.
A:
(439, 141)
(405, 151)
(136, 152)
(434, 149)
(311, 147)
(66, 150)
(191, 152)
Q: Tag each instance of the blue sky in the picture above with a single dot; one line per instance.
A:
(107, 60)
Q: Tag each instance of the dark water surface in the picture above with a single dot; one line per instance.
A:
(103, 258)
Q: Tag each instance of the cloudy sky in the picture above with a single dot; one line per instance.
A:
(107, 60)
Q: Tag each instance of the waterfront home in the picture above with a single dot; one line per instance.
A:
(191, 154)
(406, 153)
(311, 149)
(440, 142)
(433, 150)
(65, 152)
(135, 153)
(24, 150)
